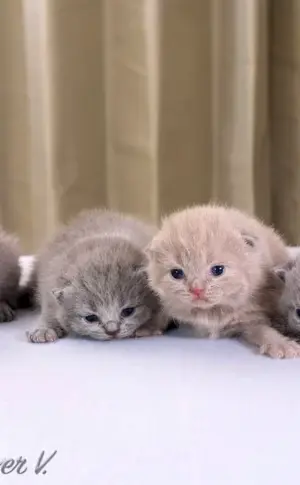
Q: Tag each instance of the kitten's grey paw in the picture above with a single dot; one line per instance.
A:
(7, 314)
(147, 332)
(43, 335)
(285, 349)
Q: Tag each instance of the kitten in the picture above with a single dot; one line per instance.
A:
(91, 280)
(9, 275)
(289, 301)
(212, 268)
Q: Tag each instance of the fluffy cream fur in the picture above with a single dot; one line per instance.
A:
(241, 299)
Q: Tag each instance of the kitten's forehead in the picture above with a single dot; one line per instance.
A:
(112, 284)
(110, 271)
(202, 243)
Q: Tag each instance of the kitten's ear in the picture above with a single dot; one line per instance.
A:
(58, 294)
(148, 251)
(283, 270)
(281, 273)
(249, 240)
(61, 293)
(290, 264)
(139, 268)
(152, 252)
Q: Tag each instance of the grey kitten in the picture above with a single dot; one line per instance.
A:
(91, 280)
(9, 275)
(289, 302)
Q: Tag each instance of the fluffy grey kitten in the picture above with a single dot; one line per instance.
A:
(9, 275)
(289, 302)
(91, 280)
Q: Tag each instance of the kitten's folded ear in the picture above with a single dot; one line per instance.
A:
(281, 273)
(250, 240)
(283, 270)
(60, 294)
(140, 268)
(152, 251)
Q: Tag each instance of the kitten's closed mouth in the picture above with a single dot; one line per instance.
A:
(200, 302)
(201, 305)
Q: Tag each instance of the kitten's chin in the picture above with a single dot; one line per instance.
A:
(203, 305)
(207, 305)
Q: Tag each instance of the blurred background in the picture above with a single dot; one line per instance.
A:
(146, 106)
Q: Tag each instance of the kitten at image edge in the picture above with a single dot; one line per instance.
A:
(9, 275)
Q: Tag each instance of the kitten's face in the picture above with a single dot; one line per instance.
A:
(107, 301)
(290, 299)
(196, 267)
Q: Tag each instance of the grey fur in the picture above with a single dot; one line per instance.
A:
(289, 301)
(95, 265)
(9, 275)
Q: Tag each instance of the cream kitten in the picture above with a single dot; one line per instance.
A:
(211, 267)
(9, 275)
(92, 281)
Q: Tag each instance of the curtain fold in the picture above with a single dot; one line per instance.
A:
(146, 106)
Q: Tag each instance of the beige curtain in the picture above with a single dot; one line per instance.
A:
(146, 106)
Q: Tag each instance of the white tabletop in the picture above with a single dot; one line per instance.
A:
(166, 410)
(172, 410)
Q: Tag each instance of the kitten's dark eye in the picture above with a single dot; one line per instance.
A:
(91, 318)
(217, 270)
(298, 312)
(127, 312)
(177, 273)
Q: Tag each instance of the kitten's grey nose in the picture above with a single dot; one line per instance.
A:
(112, 328)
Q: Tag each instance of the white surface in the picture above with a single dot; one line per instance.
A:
(171, 410)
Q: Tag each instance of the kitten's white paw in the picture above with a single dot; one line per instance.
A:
(7, 314)
(147, 332)
(42, 335)
(285, 349)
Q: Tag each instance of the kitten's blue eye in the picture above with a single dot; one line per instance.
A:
(177, 273)
(217, 270)
(91, 318)
(298, 312)
(127, 312)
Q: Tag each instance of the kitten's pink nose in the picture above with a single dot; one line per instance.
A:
(198, 292)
